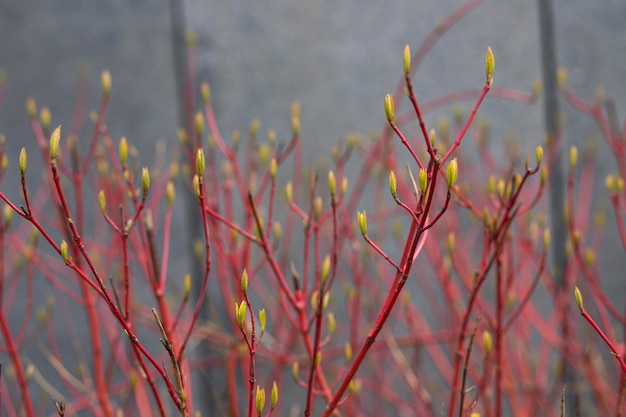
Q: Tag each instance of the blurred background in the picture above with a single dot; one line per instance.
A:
(338, 58)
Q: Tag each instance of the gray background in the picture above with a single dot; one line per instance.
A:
(338, 58)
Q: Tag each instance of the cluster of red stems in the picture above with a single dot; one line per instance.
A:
(315, 298)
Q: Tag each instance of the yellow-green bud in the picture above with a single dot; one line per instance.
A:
(187, 285)
(325, 269)
(295, 125)
(55, 138)
(278, 230)
(344, 186)
(200, 162)
(318, 206)
(205, 92)
(255, 125)
(393, 185)
(262, 319)
(389, 108)
(64, 254)
(573, 156)
(23, 161)
(590, 256)
(244, 282)
(579, 299)
(274, 395)
(260, 400)
(102, 201)
(196, 186)
(145, 181)
(620, 184)
(318, 359)
(31, 108)
(7, 215)
(332, 183)
(332, 324)
(422, 180)
(315, 297)
(407, 61)
(44, 118)
(543, 174)
(432, 136)
(106, 83)
(539, 154)
(610, 183)
(452, 172)
(490, 64)
(199, 122)
(451, 241)
(241, 311)
(170, 193)
(289, 192)
(123, 150)
(273, 168)
(348, 351)
(487, 342)
(362, 220)
(546, 238)
(295, 368)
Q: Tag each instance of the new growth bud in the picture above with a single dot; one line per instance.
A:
(539, 154)
(240, 313)
(573, 156)
(64, 254)
(579, 299)
(325, 269)
(490, 64)
(332, 183)
(244, 282)
(389, 108)
(23, 161)
(407, 61)
(262, 319)
(362, 220)
(393, 185)
(487, 342)
(205, 92)
(452, 173)
(260, 400)
(106, 83)
(102, 201)
(200, 162)
(422, 180)
(55, 138)
(274, 395)
(145, 181)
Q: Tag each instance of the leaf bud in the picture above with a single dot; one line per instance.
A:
(539, 154)
(325, 269)
(55, 138)
(205, 92)
(490, 64)
(274, 395)
(573, 156)
(262, 319)
(362, 220)
(145, 181)
(64, 254)
(422, 181)
(487, 342)
(23, 161)
(393, 185)
(260, 400)
(407, 61)
(452, 173)
(244, 282)
(332, 183)
(102, 201)
(200, 162)
(106, 83)
(45, 118)
(389, 108)
(123, 151)
(579, 299)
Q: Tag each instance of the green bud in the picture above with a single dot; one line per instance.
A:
(45, 118)
(539, 154)
(170, 193)
(260, 400)
(278, 230)
(389, 108)
(205, 92)
(145, 181)
(274, 395)
(348, 351)
(240, 312)
(573, 156)
(23, 161)
(344, 186)
(244, 282)
(289, 192)
(200, 162)
(422, 180)
(187, 285)
(31, 108)
(273, 168)
(332, 183)
(393, 185)
(490, 64)
(64, 254)
(332, 324)
(196, 186)
(106, 83)
(579, 299)
(102, 201)
(452, 173)
(546, 238)
(318, 206)
(199, 122)
(262, 319)
(325, 269)
(407, 61)
(55, 138)
(362, 220)
(487, 342)
(295, 368)
(123, 150)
